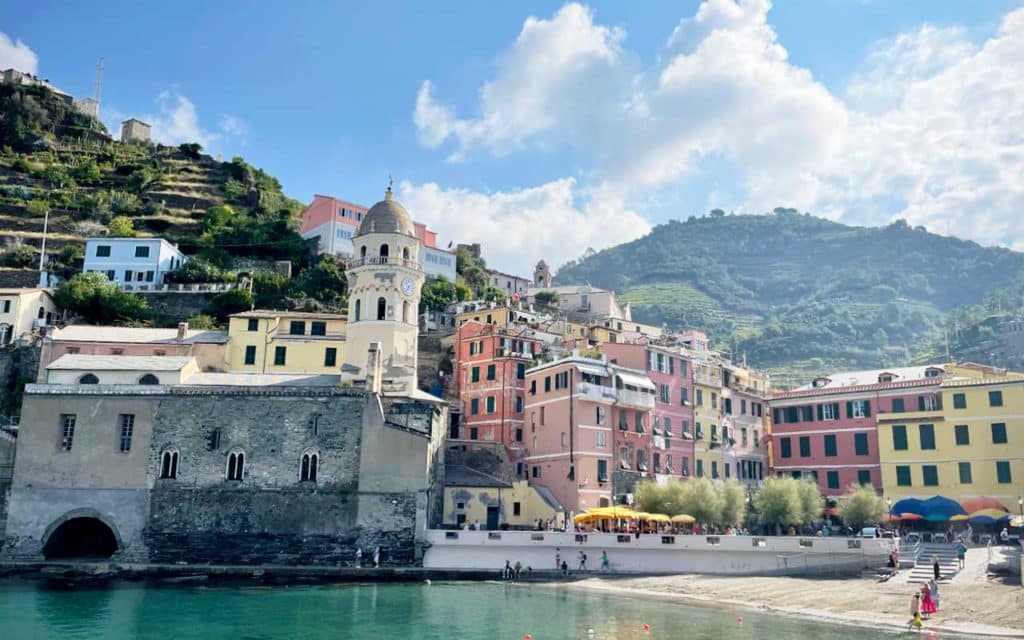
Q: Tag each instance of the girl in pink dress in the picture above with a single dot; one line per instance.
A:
(927, 604)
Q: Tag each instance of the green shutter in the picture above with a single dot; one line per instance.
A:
(920, 403)
(821, 414)
(849, 409)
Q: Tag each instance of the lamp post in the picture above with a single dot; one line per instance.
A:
(1020, 505)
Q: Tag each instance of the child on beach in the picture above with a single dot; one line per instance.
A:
(927, 604)
(915, 611)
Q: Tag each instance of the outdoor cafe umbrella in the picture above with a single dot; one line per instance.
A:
(910, 516)
(988, 516)
(587, 517)
(959, 518)
(972, 505)
(616, 511)
(683, 518)
(658, 517)
(1017, 521)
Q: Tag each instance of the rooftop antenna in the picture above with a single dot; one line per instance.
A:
(97, 85)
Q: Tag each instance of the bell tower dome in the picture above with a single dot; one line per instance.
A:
(384, 280)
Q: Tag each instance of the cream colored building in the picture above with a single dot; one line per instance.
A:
(270, 341)
(385, 278)
(24, 311)
(481, 500)
(128, 370)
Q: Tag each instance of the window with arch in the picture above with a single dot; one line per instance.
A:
(169, 464)
(308, 468)
(236, 466)
(89, 378)
(42, 313)
(149, 378)
(362, 251)
(405, 254)
(382, 308)
(384, 250)
(405, 312)
(359, 308)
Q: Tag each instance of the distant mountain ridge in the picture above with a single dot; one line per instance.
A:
(798, 294)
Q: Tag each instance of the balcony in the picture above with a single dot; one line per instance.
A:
(635, 399)
(383, 261)
(596, 393)
(933, 415)
(707, 380)
(502, 352)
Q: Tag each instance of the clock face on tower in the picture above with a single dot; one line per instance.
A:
(408, 287)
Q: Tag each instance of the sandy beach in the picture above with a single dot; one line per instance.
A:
(971, 604)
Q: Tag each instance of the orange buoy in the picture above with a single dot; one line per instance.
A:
(527, 637)
(646, 627)
(739, 620)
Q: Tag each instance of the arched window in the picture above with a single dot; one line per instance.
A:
(362, 251)
(309, 466)
(149, 378)
(359, 309)
(42, 313)
(405, 312)
(382, 307)
(88, 379)
(236, 466)
(384, 252)
(405, 254)
(169, 464)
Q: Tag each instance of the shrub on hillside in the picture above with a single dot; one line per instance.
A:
(97, 300)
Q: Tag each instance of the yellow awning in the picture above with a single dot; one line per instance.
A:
(682, 518)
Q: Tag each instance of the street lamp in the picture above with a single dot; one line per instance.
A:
(888, 502)
(1020, 505)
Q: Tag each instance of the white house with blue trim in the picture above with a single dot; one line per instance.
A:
(132, 261)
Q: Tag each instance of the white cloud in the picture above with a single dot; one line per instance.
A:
(516, 228)
(177, 121)
(930, 129)
(15, 54)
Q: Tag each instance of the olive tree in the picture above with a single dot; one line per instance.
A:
(860, 505)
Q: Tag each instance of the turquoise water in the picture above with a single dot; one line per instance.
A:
(32, 611)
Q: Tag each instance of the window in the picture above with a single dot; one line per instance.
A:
(5, 306)
(714, 400)
(965, 472)
(684, 396)
(536, 472)
(490, 372)
(927, 403)
(898, 405)
(830, 446)
(663, 395)
(864, 476)
(517, 508)
(541, 415)
(490, 404)
(805, 446)
(668, 426)
(602, 471)
(359, 309)
(959, 401)
(860, 444)
(995, 398)
(858, 409)
(150, 276)
(926, 432)
(623, 421)
(213, 440)
(103, 251)
(602, 439)
(930, 473)
(142, 251)
(384, 251)
(297, 328)
(903, 476)
(832, 479)
(149, 379)
(254, 324)
(639, 422)
(474, 406)
(714, 469)
(1003, 472)
(279, 355)
(126, 422)
(547, 384)
(67, 431)
(998, 433)
(314, 424)
(727, 405)
(699, 395)
(236, 466)
(308, 467)
(318, 328)
(250, 354)
(899, 437)
(474, 374)
(963, 434)
(474, 433)
(785, 448)
(600, 415)
(89, 378)
(700, 468)
(330, 356)
(382, 308)
(521, 371)
(169, 464)
(519, 404)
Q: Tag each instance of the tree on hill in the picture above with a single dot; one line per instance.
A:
(121, 227)
(98, 301)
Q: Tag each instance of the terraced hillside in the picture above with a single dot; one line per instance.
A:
(796, 294)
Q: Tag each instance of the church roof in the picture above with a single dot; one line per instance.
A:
(387, 216)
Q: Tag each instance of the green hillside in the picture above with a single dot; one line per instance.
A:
(798, 294)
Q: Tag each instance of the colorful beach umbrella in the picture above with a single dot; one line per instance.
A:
(972, 505)
(683, 518)
(911, 516)
(958, 518)
(989, 516)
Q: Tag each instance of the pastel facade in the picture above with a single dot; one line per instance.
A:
(512, 285)
(490, 378)
(744, 411)
(474, 498)
(73, 369)
(132, 261)
(436, 262)
(579, 301)
(267, 341)
(23, 312)
(969, 443)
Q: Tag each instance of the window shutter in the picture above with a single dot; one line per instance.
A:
(821, 414)
(835, 410)
(849, 409)
(867, 408)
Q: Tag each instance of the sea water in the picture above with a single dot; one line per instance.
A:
(32, 610)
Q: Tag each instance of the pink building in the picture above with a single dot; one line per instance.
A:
(672, 416)
(490, 377)
(827, 429)
(589, 434)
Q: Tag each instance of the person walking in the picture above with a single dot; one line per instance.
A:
(376, 557)
(506, 573)
(936, 569)
(359, 557)
(961, 553)
(517, 571)
(604, 561)
(933, 587)
(558, 558)
(915, 610)
(583, 561)
(927, 604)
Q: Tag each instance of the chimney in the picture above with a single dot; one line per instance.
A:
(182, 330)
(373, 368)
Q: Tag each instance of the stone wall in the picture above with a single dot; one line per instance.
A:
(169, 309)
(18, 366)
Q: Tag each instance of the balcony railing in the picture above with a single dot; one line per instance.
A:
(384, 261)
(595, 392)
(707, 380)
(635, 399)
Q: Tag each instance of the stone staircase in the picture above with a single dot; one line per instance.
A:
(922, 571)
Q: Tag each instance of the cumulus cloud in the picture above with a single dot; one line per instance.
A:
(15, 54)
(177, 121)
(518, 227)
(931, 128)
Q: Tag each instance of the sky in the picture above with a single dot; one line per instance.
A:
(542, 129)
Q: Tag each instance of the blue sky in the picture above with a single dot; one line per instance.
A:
(542, 128)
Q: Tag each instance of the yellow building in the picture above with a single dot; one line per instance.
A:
(707, 419)
(24, 311)
(971, 445)
(475, 498)
(500, 316)
(263, 341)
